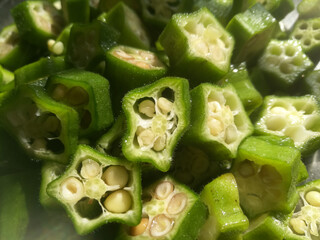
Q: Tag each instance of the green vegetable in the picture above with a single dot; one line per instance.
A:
(76, 11)
(309, 8)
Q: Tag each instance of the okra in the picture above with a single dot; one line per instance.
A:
(309, 9)
(37, 21)
(284, 62)
(170, 211)
(294, 117)
(45, 129)
(226, 219)
(76, 11)
(96, 189)
(312, 83)
(106, 5)
(198, 47)
(6, 80)
(127, 22)
(266, 174)
(251, 36)
(88, 93)
(219, 122)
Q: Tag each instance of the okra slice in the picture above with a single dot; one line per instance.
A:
(309, 8)
(6, 80)
(198, 47)
(312, 83)
(294, 117)
(219, 122)
(225, 215)
(37, 21)
(308, 33)
(127, 22)
(284, 62)
(47, 130)
(239, 78)
(251, 37)
(58, 47)
(96, 189)
(86, 92)
(106, 5)
(266, 174)
(157, 116)
(76, 11)
(170, 211)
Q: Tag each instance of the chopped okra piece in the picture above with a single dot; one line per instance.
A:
(106, 5)
(58, 47)
(88, 93)
(157, 116)
(96, 189)
(251, 36)
(219, 122)
(37, 21)
(312, 83)
(40, 69)
(284, 62)
(226, 219)
(239, 78)
(46, 129)
(308, 33)
(294, 117)
(76, 11)
(128, 68)
(49, 172)
(198, 47)
(170, 211)
(127, 22)
(309, 8)
(266, 174)
(6, 80)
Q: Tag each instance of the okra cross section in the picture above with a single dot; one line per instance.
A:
(157, 116)
(96, 189)
(218, 120)
(198, 47)
(170, 211)
(294, 117)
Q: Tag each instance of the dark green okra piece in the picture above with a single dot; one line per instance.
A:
(198, 47)
(219, 122)
(294, 117)
(157, 116)
(127, 22)
(252, 30)
(170, 211)
(6, 80)
(307, 31)
(309, 8)
(76, 11)
(106, 5)
(46, 129)
(88, 93)
(37, 21)
(312, 83)
(96, 189)
(283, 62)
(58, 47)
(266, 174)
(226, 219)
(239, 78)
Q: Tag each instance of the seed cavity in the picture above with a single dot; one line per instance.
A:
(72, 190)
(177, 203)
(246, 169)
(161, 225)
(90, 169)
(95, 188)
(163, 190)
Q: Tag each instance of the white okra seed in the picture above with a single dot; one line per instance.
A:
(160, 143)
(147, 107)
(298, 225)
(116, 175)
(72, 189)
(118, 202)
(90, 169)
(313, 198)
(165, 105)
(215, 126)
(146, 137)
(177, 203)
(163, 190)
(161, 225)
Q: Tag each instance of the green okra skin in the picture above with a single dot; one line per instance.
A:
(226, 219)
(106, 5)
(76, 11)
(6, 80)
(312, 83)
(239, 78)
(307, 32)
(58, 47)
(260, 82)
(127, 22)
(46, 130)
(40, 69)
(198, 47)
(37, 21)
(294, 117)
(96, 189)
(88, 93)
(94, 40)
(170, 211)
(309, 9)
(157, 116)
(252, 30)
(218, 121)
(14, 215)
(128, 68)
(266, 174)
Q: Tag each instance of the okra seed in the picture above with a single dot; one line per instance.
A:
(160, 143)
(270, 175)
(163, 190)
(58, 48)
(313, 198)
(276, 123)
(143, 65)
(215, 126)
(214, 106)
(278, 110)
(231, 134)
(122, 55)
(50, 43)
(118, 202)
(177, 203)
(246, 169)
(146, 137)
(161, 225)
(286, 68)
(140, 228)
(59, 92)
(51, 124)
(116, 176)
(72, 189)
(77, 96)
(39, 143)
(276, 50)
(298, 225)
(147, 107)
(90, 169)
(165, 105)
